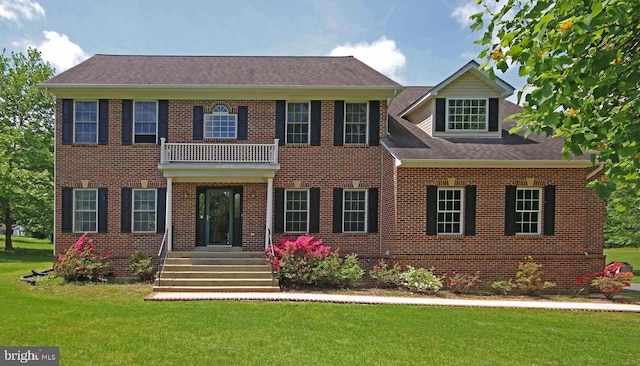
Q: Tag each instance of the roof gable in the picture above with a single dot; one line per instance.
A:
(472, 67)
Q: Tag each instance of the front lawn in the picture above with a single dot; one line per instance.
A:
(111, 325)
(629, 255)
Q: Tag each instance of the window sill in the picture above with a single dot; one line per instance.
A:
(219, 139)
(85, 144)
(529, 236)
(450, 236)
(297, 145)
(356, 145)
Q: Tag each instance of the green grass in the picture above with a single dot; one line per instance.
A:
(111, 325)
(629, 255)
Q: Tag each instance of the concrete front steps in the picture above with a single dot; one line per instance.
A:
(216, 271)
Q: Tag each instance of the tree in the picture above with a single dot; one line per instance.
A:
(581, 59)
(26, 144)
(621, 229)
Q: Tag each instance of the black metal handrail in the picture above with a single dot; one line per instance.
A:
(273, 256)
(162, 256)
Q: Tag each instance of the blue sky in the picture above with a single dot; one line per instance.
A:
(415, 42)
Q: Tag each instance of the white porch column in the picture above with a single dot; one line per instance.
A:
(269, 219)
(169, 215)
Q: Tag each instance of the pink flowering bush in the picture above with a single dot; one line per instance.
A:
(82, 262)
(386, 275)
(460, 283)
(609, 281)
(304, 261)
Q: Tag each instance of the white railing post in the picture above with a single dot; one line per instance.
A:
(276, 142)
(163, 153)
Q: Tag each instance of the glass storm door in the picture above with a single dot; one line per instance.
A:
(219, 217)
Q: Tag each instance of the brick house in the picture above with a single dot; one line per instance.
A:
(220, 153)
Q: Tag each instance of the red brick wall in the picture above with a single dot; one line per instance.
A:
(574, 250)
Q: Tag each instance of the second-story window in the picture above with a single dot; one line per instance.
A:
(467, 115)
(355, 123)
(86, 122)
(297, 123)
(145, 122)
(220, 124)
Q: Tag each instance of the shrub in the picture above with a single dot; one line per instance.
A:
(140, 265)
(421, 280)
(460, 283)
(82, 262)
(529, 277)
(386, 275)
(502, 287)
(304, 261)
(609, 281)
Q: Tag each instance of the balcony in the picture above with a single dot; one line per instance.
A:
(218, 163)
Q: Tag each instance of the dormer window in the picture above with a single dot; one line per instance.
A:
(220, 124)
(467, 114)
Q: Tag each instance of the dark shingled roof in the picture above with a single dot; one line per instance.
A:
(223, 71)
(408, 141)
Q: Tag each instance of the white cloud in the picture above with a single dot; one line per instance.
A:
(382, 55)
(463, 13)
(16, 10)
(58, 50)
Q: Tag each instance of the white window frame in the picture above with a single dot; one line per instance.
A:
(345, 211)
(210, 117)
(135, 134)
(301, 123)
(519, 212)
(366, 124)
(450, 211)
(76, 211)
(486, 116)
(133, 210)
(75, 121)
(287, 223)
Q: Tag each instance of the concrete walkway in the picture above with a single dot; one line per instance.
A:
(384, 300)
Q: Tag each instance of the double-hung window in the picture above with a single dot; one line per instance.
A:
(220, 124)
(86, 122)
(354, 211)
(145, 121)
(528, 210)
(296, 210)
(450, 211)
(467, 115)
(85, 210)
(297, 123)
(355, 123)
(144, 210)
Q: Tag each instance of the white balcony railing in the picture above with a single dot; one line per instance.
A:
(218, 153)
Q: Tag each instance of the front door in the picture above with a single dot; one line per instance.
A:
(219, 221)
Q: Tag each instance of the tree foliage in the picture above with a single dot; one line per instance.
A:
(26, 144)
(621, 228)
(581, 59)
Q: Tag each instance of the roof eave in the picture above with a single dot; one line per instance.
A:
(459, 163)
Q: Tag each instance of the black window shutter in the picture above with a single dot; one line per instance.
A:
(549, 210)
(510, 211)
(338, 123)
(161, 209)
(281, 106)
(374, 122)
(337, 210)
(127, 121)
(243, 122)
(493, 114)
(470, 210)
(198, 122)
(441, 113)
(67, 209)
(432, 210)
(314, 210)
(103, 211)
(278, 222)
(372, 214)
(103, 122)
(163, 120)
(125, 210)
(67, 122)
(316, 122)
